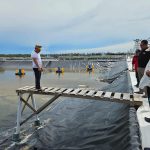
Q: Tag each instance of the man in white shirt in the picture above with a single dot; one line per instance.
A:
(148, 92)
(37, 65)
(145, 82)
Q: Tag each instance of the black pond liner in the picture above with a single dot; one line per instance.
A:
(77, 124)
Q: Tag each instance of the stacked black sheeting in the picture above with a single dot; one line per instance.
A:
(122, 83)
(118, 69)
(77, 124)
(119, 82)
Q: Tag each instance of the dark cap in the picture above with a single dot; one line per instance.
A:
(38, 46)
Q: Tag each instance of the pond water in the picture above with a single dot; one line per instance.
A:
(9, 82)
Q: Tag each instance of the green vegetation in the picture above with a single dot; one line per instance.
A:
(71, 56)
(15, 55)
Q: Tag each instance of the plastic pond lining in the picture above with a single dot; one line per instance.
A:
(89, 125)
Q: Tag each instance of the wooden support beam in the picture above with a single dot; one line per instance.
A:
(28, 104)
(25, 104)
(132, 99)
(41, 108)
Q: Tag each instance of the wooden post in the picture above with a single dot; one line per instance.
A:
(41, 108)
(16, 136)
(37, 120)
(25, 104)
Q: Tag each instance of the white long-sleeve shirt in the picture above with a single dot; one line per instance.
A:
(145, 81)
(39, 60)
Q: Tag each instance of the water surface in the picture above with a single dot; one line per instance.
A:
(9, 82)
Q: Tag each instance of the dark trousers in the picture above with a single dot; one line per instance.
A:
(137, 77)
(148, 94)
(37, 78)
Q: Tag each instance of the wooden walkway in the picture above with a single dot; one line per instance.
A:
(132, 99)
(84, 93)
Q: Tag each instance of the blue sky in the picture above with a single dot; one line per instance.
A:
(60, 25)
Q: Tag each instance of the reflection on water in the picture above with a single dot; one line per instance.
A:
(2, 70)
(9, 82)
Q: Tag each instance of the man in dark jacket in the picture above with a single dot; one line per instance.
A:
(143, 59)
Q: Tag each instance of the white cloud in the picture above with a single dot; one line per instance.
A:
(73, 21)
(123, 47)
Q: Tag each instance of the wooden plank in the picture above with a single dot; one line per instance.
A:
(22, 88)
(137, 100)
(90, 93)
(31, 88)
(98, 94)
(36, 90)
(53, 90)
(107, 95)
(43, 89)
(126, 96)
(117, 96)
(48, 89)
(68, 91)
(61, 90)
(75, 91)
(83, 92)
(27, 88)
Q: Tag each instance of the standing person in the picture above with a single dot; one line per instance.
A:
(135, 66)
(145, 82)
(37, 65)
(143, 59)
(148, 93)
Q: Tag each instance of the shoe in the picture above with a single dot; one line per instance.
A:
(139, 92)
(147, 119)
(38, 89)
